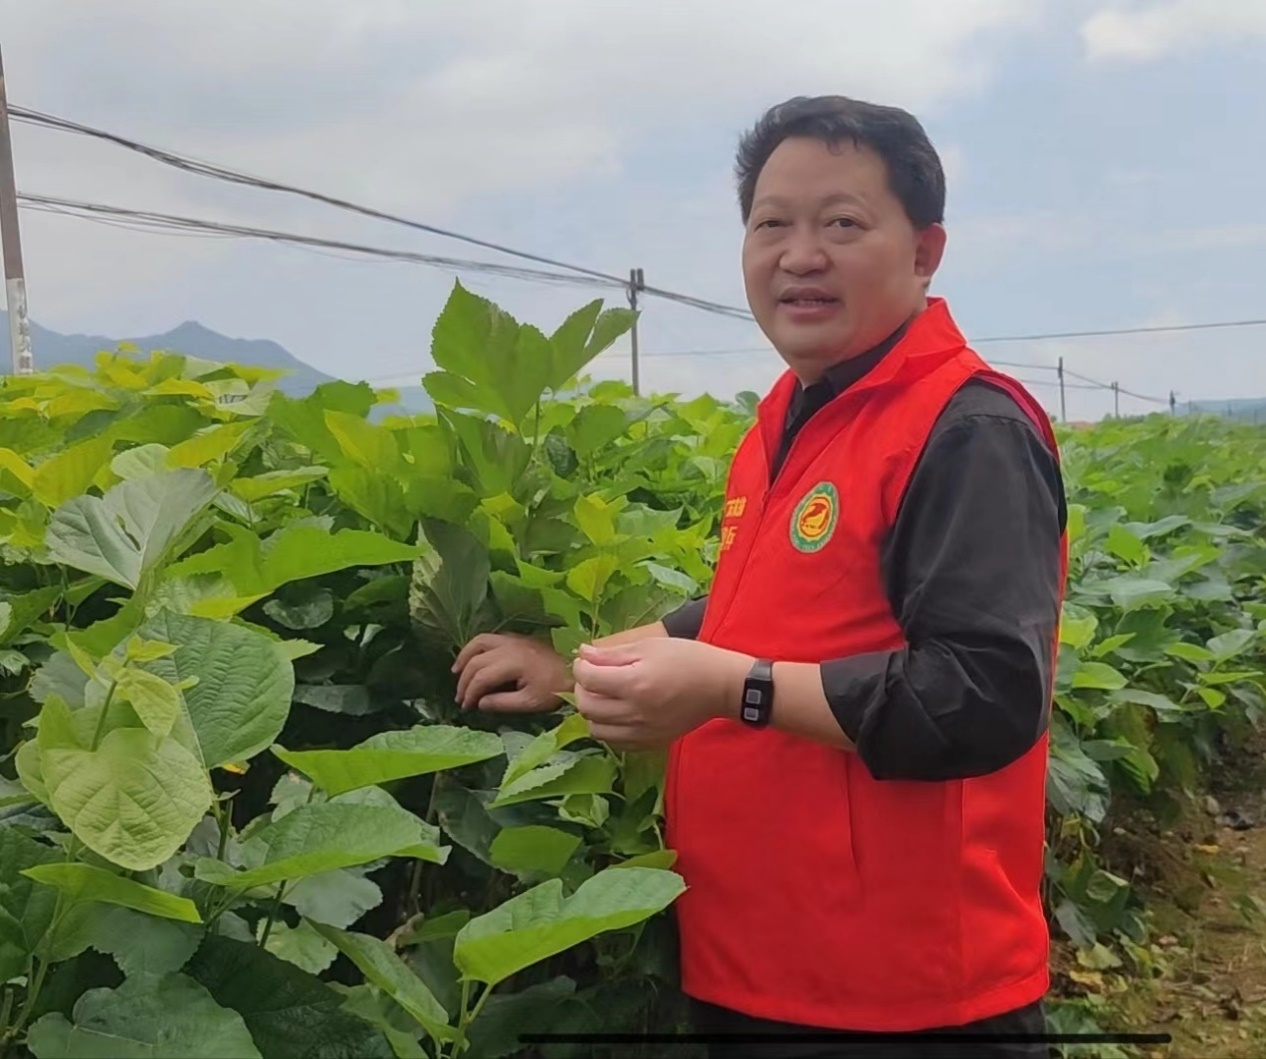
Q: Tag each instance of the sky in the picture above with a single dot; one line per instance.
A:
(1104, 161)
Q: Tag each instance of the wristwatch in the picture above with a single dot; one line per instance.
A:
(758, 694)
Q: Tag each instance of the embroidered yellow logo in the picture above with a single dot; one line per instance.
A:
(815, 517)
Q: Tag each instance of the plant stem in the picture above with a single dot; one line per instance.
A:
(36, 983)
(221, 818)
(6, 1009)
(469, 1014)
(415, 879)
(105, 712)
(272, 914)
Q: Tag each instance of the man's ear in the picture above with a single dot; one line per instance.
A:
(929, 249)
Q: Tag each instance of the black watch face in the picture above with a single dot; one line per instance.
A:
(755, 704)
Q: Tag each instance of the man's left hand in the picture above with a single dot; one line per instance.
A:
(644, 695)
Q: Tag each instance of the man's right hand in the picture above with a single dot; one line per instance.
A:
(494, 660)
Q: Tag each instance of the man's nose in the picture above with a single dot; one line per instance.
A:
(803, 252)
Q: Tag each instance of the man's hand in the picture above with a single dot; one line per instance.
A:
(495, 660)
(642, 696)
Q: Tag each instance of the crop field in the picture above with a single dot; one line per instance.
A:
(242, 815)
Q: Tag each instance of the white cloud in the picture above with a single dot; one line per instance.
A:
(439, 102)
(427, 109)
(1158, 30)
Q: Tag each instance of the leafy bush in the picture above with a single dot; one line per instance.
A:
(240, 812)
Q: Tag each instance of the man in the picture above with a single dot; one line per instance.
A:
(857, 713)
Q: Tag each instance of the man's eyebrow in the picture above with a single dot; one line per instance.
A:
(830, 200)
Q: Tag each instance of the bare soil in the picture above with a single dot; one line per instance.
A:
(1204, 877)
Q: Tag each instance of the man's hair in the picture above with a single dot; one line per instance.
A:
(914, 168)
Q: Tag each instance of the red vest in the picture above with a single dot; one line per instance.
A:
(816, 894)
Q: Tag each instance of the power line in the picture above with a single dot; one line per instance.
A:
(583, 276)
(146, 220)
(190, 164)
(1123, 331)
(211, 170)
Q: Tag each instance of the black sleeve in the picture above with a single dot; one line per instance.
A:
(685, 622)
(972, 569)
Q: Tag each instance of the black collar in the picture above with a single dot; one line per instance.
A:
(836, 379)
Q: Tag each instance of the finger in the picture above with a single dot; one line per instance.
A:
(473, 666)
(599, 709)
(488, 678)
(610, 656)
(485, 641)
(522, 701)
(618, 736)
(613, 681)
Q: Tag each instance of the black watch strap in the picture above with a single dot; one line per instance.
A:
(758, 694)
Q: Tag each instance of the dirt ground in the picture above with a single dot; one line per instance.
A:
(1208, 895)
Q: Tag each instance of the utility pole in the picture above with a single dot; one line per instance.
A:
(1063, 402)
(1173, 403)
(636, 283)
(14, 277)
(1116, 400)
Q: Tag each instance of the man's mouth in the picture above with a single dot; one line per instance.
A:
(807, 298)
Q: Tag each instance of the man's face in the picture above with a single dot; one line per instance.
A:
(831, 262)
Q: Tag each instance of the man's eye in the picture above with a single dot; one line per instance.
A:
(768, 222)
(845, 222)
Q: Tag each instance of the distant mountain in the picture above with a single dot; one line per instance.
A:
(51, 349)
(1247, 409)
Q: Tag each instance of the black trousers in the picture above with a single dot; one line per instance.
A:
(791, 1042)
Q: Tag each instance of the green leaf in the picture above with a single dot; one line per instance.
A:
(245, 683)
(156, 702)
(589, 577)
(533, 850)
(596, 425)
(1123, 543)
(84, 882)
(300, 552)
(1098, 675)
(302, 946)
(1164, 706)
(393, 756)
(322, 837)
(1076, 923)
(18, 612)
(129, 531)
(352, 700)
(581, 337)
(338, 898)
(1130, 593)
(590, 774)
(134, 800)
(172, 1017)
(573, 727)
(382, 967)
(294, 553)
(214, 443)
(290, 1014)
(542, 922)
(596, 518)
(506, 1019)
(1231, 644)
(26, 909)
(270, 483)
(1190, 652)
(450, 584)
(309, 609)
(1077, 631)
(71, 471)
(142, 945)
